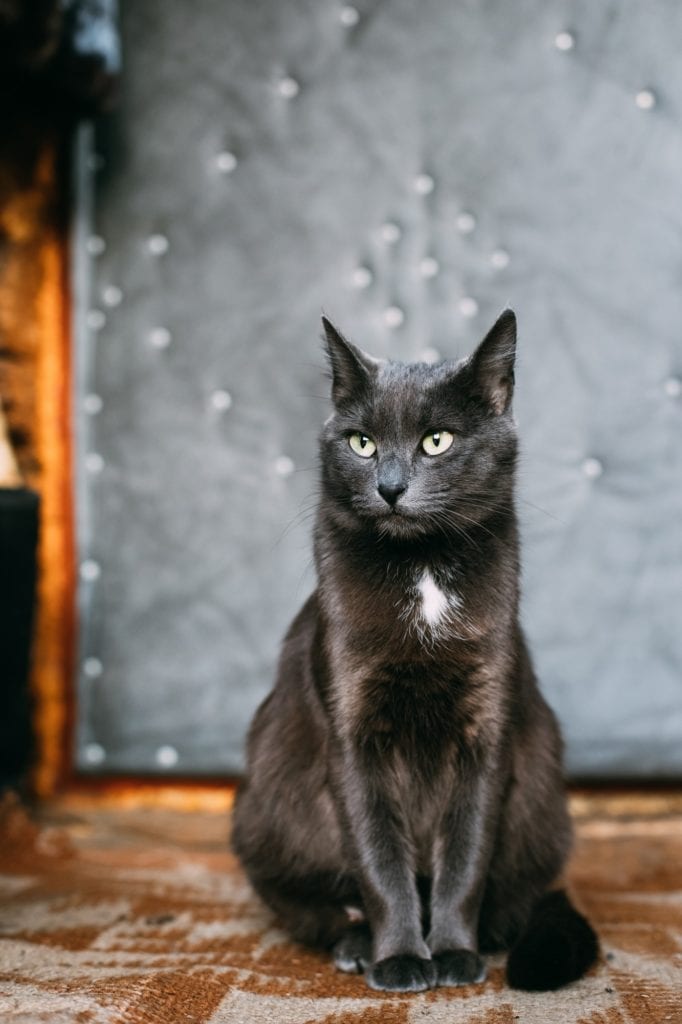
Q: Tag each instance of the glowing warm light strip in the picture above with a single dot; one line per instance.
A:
(54, 627)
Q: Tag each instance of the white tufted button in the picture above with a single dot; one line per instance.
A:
(90, 570)
(95, 319)
(167, 756)
(284, 466)
(112, 296)
(429, 267)
(362, 277)
(288, 87)
(645, 99)
(393, 316)
(95, 245)
(92, 668)
(592, 468)
(92, 404)
(94, 753)
(226, 162)
(424, 184)
(160, 337)
(390, 233)
(349, 16)
(466, 222)
(158, 245)
(672, 387)
(468, 306)
(430, 356)
(94, 463)
(564, 41)
(500, 259)
(221, 400)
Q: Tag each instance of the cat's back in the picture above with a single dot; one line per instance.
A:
(291, 720)
(284, 813)
(300, 636)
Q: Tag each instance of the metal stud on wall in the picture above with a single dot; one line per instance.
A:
(388, 168)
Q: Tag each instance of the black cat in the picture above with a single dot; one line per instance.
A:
(404, 802)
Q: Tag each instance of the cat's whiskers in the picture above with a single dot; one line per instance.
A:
(305, 514)
(454, 515)
(498, 506)
(485, 506)
(443, 522)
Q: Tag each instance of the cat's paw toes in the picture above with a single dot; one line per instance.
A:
(459, 967)
(353, 952)
(401, 974)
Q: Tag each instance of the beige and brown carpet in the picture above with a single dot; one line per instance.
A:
(143, 916)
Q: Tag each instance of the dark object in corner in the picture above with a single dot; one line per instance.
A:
(63, 53)
(558, 947)
(18, 539)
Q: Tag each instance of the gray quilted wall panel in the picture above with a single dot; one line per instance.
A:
(409, 168)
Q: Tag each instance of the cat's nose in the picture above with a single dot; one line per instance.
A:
(390, 491)
(392, 479)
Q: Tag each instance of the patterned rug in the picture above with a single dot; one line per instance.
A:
(143, 916)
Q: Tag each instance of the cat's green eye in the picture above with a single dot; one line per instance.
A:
(362, 445)
(437, 442)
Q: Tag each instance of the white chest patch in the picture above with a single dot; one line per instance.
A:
(435, 603)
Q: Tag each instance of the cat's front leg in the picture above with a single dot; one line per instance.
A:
(401, 961)
(461, 859)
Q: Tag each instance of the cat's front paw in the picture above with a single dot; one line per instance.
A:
(458, 967)
(401, 974)
(353, 952)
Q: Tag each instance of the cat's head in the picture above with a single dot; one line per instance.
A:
(413, 450)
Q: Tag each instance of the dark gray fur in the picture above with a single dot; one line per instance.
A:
(408, 769)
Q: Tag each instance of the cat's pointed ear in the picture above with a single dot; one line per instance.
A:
(492, 364)
(352, 370)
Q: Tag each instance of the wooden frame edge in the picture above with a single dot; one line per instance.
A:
(55, 625)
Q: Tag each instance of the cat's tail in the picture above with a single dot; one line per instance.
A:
(558, 946)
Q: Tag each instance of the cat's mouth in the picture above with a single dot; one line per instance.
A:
(394, 521)
(397, 522)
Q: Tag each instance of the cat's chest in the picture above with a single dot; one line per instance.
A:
(428, 608)
(408, 613)
(433, 603)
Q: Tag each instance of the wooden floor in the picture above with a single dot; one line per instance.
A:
(123, 914)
